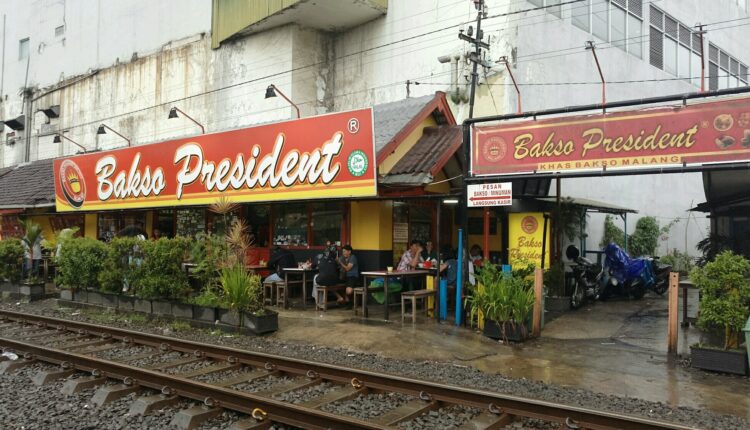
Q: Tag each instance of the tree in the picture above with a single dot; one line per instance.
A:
(612, 233)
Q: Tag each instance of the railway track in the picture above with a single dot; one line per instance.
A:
(259, 384)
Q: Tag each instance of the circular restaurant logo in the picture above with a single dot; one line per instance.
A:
(494, 149)
(71, 183)
(529, 224)
(357, 163)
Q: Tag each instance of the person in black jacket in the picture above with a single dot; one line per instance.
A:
(328, 273)
(281, 259)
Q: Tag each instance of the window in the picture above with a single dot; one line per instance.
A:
(326, 222)
(190, 222)
(291, 225)
(118, 224)
(164, 222)
(59, 31)
(724, 70)
(619, 22)
(303, 224)
(552, 6)
(675, 48)
(257, 219)
(23, 49)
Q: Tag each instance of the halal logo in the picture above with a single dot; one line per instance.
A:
(357, 163)
(72, 184)
(529, 225)
(494, 149)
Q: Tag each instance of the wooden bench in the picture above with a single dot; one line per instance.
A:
(414, 296)
(358, 292)
(321, 299)
(268, 291)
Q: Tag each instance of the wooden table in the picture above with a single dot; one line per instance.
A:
(386, 275)
(297, 271)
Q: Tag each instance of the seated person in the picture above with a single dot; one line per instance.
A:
(429, 252)
(281, 259)
(328, 273)
(350, 267)
(475, 255)
(411, 258)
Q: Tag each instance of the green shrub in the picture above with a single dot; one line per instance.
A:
(81, 262)
(122, 265)
(11, 260)
(160, 274)
(208, 298)
(209, 253)
(612, 233)
(554, 279)
(725, 295)
(680, 262)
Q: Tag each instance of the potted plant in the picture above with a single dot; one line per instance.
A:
(235, 284)
(204, 305)
(725, 295)
(79, 265)
(505, 301)
(554, 283)
(256, 317)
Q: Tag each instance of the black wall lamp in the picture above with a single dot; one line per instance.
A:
(103, 130)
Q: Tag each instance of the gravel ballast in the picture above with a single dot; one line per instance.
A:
(368, 406)
(449, 418)
(441, 372)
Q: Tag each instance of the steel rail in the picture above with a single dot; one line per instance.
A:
(495, 402)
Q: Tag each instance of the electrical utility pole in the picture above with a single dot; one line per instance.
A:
(476, 58)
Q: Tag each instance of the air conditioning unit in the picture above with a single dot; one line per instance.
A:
(47, 129)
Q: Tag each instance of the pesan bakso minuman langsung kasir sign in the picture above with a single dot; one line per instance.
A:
(329, 156)
(648, 138)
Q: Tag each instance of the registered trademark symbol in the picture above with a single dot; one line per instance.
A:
(353, 125)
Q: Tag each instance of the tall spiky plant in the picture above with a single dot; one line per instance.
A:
(223, 207)
(33, 232)
(237, 240)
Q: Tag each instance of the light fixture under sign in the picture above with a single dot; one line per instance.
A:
(450, 201)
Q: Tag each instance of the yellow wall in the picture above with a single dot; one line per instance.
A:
(442, 187)
(149, 223)
(372, 225)
(90, 226)
(43, 221)
(405, 146)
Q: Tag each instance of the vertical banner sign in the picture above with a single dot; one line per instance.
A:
(328, 156)
(525, 238)
(663, 137)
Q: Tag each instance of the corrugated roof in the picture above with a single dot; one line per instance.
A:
(591, 204)
(28, 185)
(390, 118)
(435, 143)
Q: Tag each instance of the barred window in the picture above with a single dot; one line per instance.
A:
(724, 70)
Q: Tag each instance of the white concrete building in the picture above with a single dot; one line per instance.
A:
(126, 63)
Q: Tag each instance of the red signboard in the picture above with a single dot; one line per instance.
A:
(649, 138)
(327, 156)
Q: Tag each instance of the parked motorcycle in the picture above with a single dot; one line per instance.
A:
(587, 276)
(627, 277)
(661, 272)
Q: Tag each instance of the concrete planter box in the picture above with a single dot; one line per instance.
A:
(109, 300)
(202, 313)
(261, 324)
(80, 296)
(95, 298)
(126, 303)
(7, 287)
(513, 332)
(142, 305)
(719, 360)
(66, 295)
(161, 307)
(182, 310)
(229, 317)
(33, 291)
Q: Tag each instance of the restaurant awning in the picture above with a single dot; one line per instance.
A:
(591, 205)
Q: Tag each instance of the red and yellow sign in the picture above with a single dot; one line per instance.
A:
(327, 156)
(526, 239)
(649, 138)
